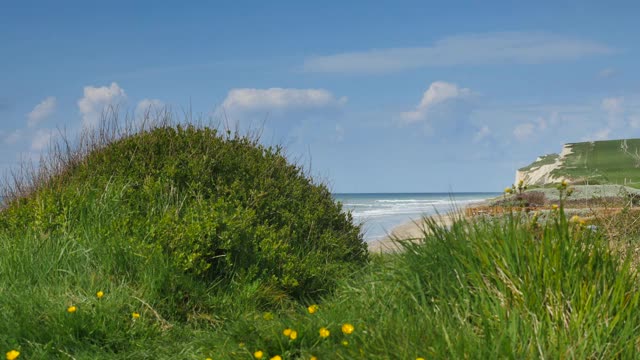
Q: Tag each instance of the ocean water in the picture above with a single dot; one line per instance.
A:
(380, 213)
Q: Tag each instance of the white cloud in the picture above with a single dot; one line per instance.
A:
(278, 98)
(439, 92)
(472, 49)
(41, 139)
(239, 101)
(97, 99)
(148, 106)
(41, 111)
(524, 131)
(481, 134)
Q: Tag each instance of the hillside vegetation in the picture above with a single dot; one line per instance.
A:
(597, 162)
(182, 243)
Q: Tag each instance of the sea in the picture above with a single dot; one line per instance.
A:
(381, 212)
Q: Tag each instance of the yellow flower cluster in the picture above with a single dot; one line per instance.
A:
(291, 334)
(71, 309)
(99, 294)
(13, 354)
(312, 309)
(324, 332)
(258, 354)
(135, 316)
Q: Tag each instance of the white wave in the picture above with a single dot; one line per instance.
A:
(410, 201)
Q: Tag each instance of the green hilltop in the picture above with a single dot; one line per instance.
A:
(592, 163)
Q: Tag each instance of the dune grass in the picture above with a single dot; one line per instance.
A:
(502, 289)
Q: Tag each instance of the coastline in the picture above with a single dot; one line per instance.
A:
(414, 229)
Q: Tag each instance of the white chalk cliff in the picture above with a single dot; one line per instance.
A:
(540, 174)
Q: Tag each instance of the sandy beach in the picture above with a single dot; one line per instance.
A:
(411, 230)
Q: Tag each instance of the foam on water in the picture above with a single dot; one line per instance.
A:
(380, 213)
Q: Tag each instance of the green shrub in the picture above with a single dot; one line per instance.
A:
(221, 207)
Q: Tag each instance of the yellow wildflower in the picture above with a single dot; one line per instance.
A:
(286, 332)
(135, 315)
(312, 309)
(13, 355)
(208, 359)
(99, 294)
(554, 207)
(508, 190)
(258, 354)
(564, 183)
(575, 219)
(419, 358)
(345, 343)
(347, 329)
(324, 332)
(71, 309)
(277, 357)
(313, 358)
(293, 335)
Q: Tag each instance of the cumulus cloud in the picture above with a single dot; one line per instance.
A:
(537, 126)
(41, 111)
(279, 99)
(471, 49)
(97, 99)
(438, 94)
(241, 103)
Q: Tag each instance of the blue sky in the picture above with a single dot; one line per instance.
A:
(397, 96)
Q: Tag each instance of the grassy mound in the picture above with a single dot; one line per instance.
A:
(178, 223)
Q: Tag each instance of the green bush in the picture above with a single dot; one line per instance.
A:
(222, 207)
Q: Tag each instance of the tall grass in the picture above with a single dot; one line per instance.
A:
(485, 289)
(482, 290)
